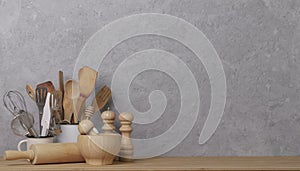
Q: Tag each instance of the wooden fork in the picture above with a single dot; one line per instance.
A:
(101, 98)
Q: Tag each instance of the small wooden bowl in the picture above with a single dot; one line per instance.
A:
(99, 149)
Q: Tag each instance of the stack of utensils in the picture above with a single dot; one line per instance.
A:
(56, 106)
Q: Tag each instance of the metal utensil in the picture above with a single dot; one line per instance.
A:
(14, 102)
(18, 127)
(46, 116)
(41, 94)
(56, 105)
(56, 109)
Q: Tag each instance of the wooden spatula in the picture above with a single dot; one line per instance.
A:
(87, 80)
(48, 84)
(100, 100)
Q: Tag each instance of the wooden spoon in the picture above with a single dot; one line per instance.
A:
(70, 98)
(87, 80)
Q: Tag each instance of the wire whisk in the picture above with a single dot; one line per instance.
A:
(14, 102)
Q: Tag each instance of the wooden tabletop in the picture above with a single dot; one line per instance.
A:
(171, 163)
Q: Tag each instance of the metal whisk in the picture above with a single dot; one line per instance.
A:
(14, 102)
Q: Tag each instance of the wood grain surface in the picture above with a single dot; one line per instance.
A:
(171, 163)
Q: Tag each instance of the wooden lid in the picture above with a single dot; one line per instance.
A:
(108, 115)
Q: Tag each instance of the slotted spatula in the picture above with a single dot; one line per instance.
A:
(48, 84)
(41, 94)
(101, 98)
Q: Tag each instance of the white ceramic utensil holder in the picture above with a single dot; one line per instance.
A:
(68, 134)
(29, 141)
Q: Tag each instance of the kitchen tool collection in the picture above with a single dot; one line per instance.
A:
(65, 106)
(91, 147)
(55, 107)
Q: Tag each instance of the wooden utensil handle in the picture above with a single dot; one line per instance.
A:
(79, 104)
(62, 89)
(30, 91)
(14, 155)
(61, 81)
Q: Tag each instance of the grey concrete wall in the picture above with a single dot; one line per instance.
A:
(258, 42)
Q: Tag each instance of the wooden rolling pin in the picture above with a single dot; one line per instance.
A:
(48, 153)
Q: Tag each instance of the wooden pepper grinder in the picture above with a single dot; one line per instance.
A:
(126, 152)
(108, 118)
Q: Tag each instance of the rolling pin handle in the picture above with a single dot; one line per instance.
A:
(14, 155)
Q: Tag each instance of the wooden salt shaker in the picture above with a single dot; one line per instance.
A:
(126, 152)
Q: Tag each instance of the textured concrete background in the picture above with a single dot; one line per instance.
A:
(258, 42)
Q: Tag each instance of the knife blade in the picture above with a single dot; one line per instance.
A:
(46, 116)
